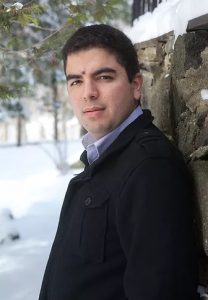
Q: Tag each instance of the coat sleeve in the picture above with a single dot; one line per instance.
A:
(155, 226)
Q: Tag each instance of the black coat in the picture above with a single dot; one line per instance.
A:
(125, 230)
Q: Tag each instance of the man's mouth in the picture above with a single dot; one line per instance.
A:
(93, 109)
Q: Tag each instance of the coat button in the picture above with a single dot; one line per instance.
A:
(88, 201)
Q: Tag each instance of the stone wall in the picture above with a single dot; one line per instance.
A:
(154, 57)
(176, 90)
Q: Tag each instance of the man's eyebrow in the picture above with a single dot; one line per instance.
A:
(104, 70)
(97, 72)
(72, 76)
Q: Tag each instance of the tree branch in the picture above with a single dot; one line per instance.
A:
(36, 27)
(20, 53)
(38, 49)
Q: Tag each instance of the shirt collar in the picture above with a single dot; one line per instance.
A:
(96, 147)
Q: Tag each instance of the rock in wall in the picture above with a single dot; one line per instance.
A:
(189, 81)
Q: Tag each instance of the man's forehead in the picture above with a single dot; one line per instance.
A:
(95, 54)
(90, 61)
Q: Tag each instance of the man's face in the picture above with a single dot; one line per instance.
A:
(100, 93)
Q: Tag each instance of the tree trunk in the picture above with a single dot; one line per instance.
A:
(19, 129)
(154, 4)
(148, 5)
(55, 107)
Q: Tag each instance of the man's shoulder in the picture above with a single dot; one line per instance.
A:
(155, 144)
(148, 138)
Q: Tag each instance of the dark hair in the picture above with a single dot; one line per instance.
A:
(106, 37)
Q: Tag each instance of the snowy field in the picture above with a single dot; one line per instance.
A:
(32, 188)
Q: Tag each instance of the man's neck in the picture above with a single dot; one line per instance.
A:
(96, 147)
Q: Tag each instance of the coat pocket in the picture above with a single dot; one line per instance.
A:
(93, 226)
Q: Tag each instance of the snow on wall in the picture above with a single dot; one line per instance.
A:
(169, 15)
(204, 94)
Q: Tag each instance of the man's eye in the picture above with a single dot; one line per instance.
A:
(105, 77)
(75, 82)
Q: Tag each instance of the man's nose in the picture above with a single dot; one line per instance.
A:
(90, 90)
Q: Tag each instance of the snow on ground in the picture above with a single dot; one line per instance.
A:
(169, 15)
(33, 190)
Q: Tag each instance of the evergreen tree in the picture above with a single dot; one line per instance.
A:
(33, 32)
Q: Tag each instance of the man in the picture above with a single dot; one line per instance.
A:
(125, 229)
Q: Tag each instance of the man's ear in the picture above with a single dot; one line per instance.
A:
(137, 85)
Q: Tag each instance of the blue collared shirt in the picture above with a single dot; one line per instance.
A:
(95, 147)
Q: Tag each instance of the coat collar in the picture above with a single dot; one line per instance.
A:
(122, 141)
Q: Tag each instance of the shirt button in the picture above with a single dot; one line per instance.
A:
(88, 201)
